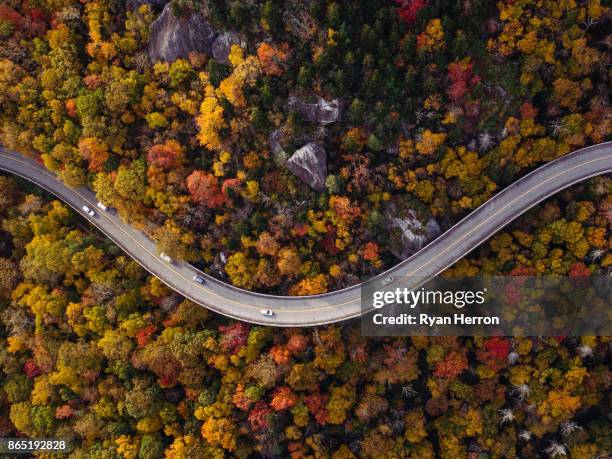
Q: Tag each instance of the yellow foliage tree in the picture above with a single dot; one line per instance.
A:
(210, 121)
(311, 286)
(340, 401)
(220, 432)
(430, 142)
(241, 270)
(245, 74)
(289, 262)
(432, 39)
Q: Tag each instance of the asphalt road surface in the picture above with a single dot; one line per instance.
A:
(230, 301)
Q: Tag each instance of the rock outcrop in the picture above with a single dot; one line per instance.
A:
(322, 111)
(174, 37)
(222, 46)
(275, 140)
(408, 234)
(309, 163)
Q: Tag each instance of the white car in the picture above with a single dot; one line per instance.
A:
(165, 257)
(266, 312)
(102, 206)
(387, 280)
(88, 211)
(198, 279)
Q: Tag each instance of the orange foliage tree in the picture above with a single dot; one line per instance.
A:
(272, 59)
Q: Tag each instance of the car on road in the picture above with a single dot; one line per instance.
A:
(198, 279)
(88, 211)
(102, 206)
(165, 257)
(387, 280)
(266, 312)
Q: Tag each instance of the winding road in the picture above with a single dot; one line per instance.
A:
(340, 305)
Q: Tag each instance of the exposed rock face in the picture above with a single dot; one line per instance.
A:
(275, 139)
(409, 235)
(278, 153)
(222, 46)
(322, 111)
(309, 163)
(174, 38)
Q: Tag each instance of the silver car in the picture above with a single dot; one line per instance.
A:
(88, 211)
(198, 279)
(266, 312)
(165, 257)
(387, 280)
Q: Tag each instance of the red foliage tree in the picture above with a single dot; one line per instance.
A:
(329, 241)
(143, 336)
(93, 81)
(297, 343)
(497, 347)
(233, 337)
(37, 14)
(30, 369)
(38, 21)
(523, 271)
(260, 416)
(280, 354)
(9, 14)
(370, 251)
(166, 155)
(452, 365)
(528, 111)
(283, 399)
(168, 379)
(301, 229)
(64, 412)
(204, 189)
(316, 404)
(240, 399)
(230, 184)
(409, 9)
(462, 79)
(579, 270)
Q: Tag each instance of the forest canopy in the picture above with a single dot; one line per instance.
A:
(269, 142)
(95, 351)
(294, 147)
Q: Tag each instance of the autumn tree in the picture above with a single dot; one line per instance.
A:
(204, 188)
(166, 155)
(174, 241)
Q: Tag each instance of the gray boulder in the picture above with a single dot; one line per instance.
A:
(278, 153)
(222, 46)
(174, 37)
(309, 163)
(275, 140)
(321, 111)
(409, 234)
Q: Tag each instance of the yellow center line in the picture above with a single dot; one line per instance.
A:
(301, 311)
